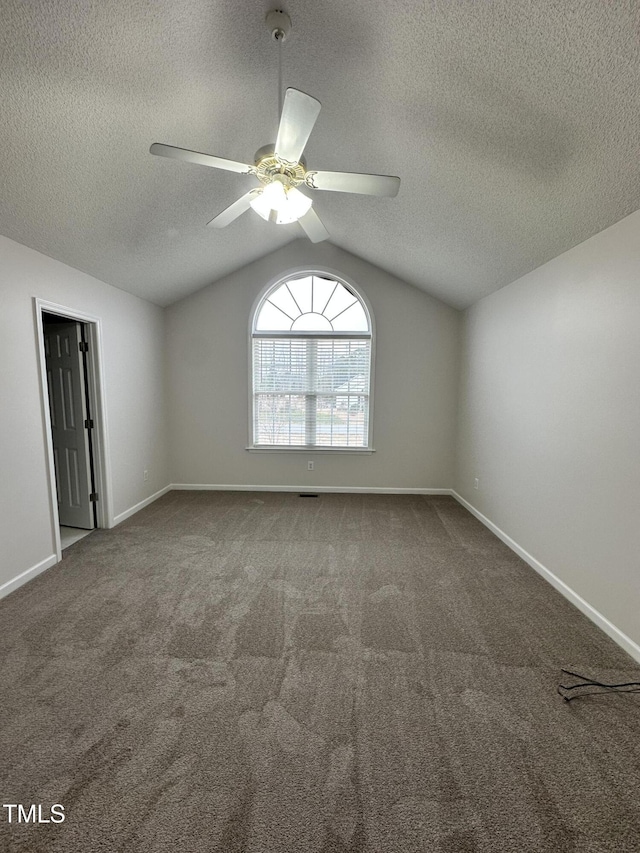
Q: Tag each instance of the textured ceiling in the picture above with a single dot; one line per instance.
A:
(513, 124)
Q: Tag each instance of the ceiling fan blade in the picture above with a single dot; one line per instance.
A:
(234, 210)
(299, 114)
(201, 159)
(351, 182)
(313, 227)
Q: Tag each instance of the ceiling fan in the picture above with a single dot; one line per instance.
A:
(281, 168)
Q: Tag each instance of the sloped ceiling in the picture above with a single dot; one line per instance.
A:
(514, 126)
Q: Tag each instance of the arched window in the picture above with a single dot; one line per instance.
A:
(311, 341)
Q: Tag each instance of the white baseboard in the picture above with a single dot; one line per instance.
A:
(366, 490)
(630, 646)
(27, 575)
(134, 509)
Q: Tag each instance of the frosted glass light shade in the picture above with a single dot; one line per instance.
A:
(278, 204)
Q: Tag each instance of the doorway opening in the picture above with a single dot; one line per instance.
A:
(73, 412)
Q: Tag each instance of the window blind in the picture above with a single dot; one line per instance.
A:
(311, 391)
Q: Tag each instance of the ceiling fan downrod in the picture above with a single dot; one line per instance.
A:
(279, 25)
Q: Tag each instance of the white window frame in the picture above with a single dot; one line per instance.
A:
(301, 272)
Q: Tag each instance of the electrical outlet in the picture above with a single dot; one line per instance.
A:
(476, 483)
(145, 475)
(310, 466)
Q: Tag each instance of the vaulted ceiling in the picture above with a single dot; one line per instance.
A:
(513, 124)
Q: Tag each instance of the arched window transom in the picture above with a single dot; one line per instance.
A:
(311, 369)
(312, 303)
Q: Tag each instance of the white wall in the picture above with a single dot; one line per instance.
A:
(549, 418)
(134, 390)
(415, 383)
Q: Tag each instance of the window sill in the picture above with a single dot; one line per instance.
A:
(308, 449)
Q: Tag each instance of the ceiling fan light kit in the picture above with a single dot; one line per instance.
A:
(280, 204)
(281, 168)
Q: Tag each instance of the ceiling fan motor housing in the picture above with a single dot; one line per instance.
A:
(268, 166)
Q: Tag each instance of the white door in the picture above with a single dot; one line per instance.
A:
(69, 425)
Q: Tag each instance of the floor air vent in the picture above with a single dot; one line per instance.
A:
(307, 495)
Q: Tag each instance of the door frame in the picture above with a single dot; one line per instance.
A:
(97, 407)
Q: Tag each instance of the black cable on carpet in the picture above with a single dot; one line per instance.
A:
(623, 687)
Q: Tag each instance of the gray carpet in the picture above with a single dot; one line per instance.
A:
(261, 673)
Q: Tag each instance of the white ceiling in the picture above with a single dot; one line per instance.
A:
(513, 124)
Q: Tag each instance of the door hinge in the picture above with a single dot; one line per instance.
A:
(83, 346)
(88, 424)
(93, 497)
